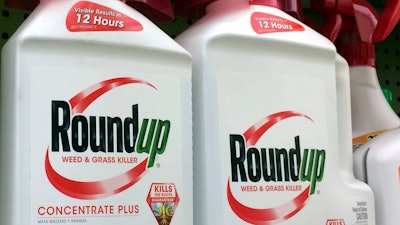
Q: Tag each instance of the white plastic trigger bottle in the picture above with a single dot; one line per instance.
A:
(95, 119)
(371, 113)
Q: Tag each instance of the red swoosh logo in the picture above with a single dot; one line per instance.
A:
(83, 99)
(104, 188)
(95, 189)
(270, 215)
(257, 130)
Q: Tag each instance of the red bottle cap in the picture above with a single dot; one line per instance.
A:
(350, 24)
(191, 8)
(336, 14)
(22, 4)
(272, 3)
(356, 44)
(293, 8)
(358, 54)
(155, 10)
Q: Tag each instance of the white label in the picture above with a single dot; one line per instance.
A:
(102, 143)
(274, 148)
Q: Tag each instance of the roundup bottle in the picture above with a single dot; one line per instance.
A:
(95, 119)
(335, 18)
(376, 162)
(266, 143)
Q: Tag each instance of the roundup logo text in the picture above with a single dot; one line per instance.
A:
(262, 164)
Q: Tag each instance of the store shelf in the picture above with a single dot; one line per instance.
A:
(387, 52)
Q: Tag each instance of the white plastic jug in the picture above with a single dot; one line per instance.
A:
(95, 119)
(266, 144)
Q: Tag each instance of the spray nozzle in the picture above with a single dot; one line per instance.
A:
(350, 24)
(388, 20)
(355, 41)
(353, 25)
(366, 18)
(336, 14)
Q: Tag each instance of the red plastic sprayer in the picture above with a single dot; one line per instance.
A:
(155, 10)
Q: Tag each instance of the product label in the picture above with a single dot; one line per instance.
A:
(90, 16)
(104, 150)
(358, 141)
(275, 161)
(335, 222)
(267, 23)
(398, 170)
(282, 169)
(163, 200)
(360, 210)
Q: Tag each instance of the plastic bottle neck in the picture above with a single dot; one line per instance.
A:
(370, 110)
(358, 54)
(226, 5)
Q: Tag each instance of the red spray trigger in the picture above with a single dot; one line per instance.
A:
(366, 18)
(336, 15)
(355, 44)
(388, 20)
(356, 20)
